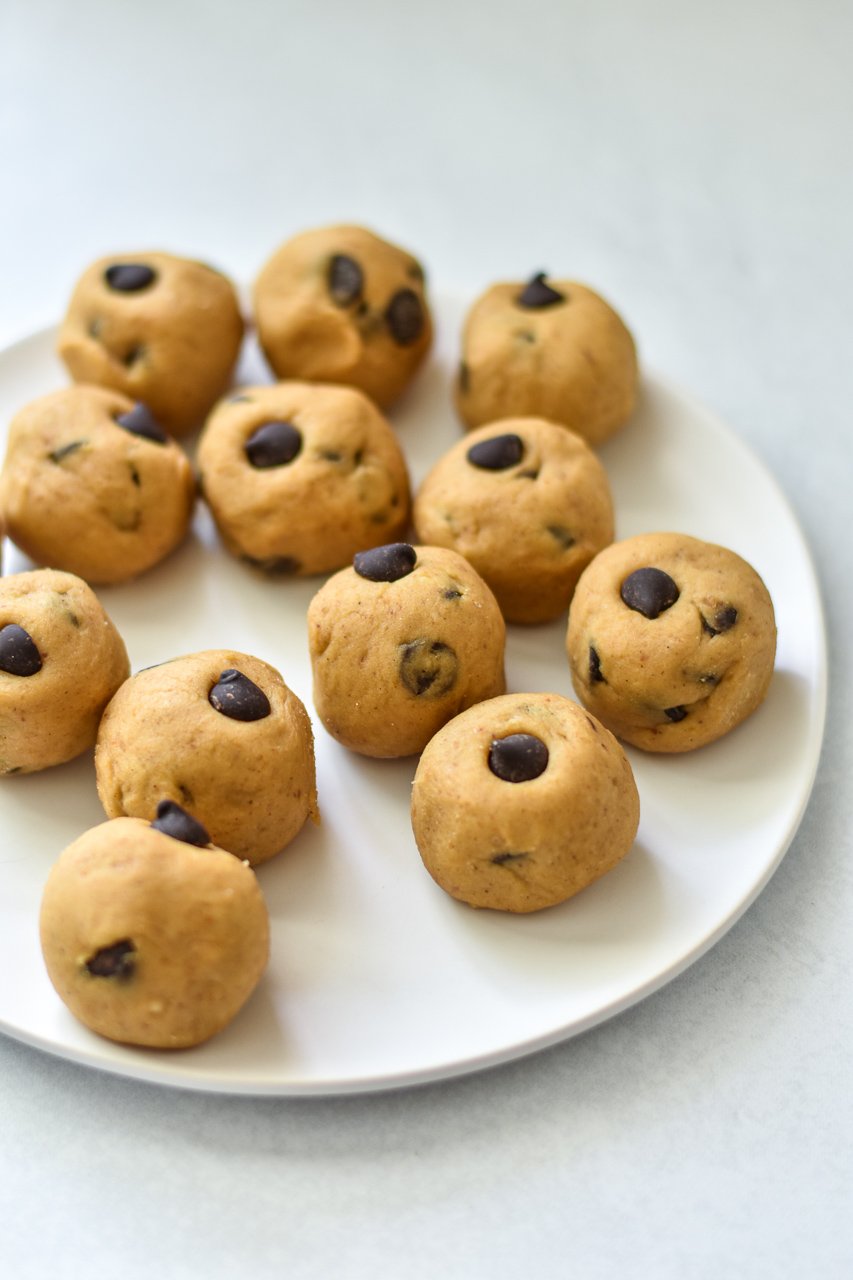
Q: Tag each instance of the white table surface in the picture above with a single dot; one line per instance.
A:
(693, 162)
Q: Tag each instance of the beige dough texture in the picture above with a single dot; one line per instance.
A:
(569, 359)
(528, 504)
(300, 476)
(158, 328)
(250, 782)
(149, 940)
(61, 660)
(523, 843)
(83, 493)
(395, 660)
(339, 304)
(671, 640)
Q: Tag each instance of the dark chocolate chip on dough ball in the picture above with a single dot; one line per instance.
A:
(528, 503)
(150, 939)
(300, 477)
(521, 802)
(671, 640)
(398, 651)
(339, 304)
(218, 734)
(548, 348)
(157, 328)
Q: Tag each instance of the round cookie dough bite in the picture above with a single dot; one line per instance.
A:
(528, 504)
(339, 304)
(150, 935)
(61, 660)
(549, 348)
(521, 802)
(400, 643)
(219, 733)
(161, 329)
(671, 640)
(92, 484)
(300, 476)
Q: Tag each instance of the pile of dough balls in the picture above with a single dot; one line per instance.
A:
(154, 929)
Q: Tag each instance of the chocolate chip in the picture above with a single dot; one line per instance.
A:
(273, 444)
(498, 453)
(346, 280)
(675, 713)
(404, 317)
(129, 277)
(134, 354)
(19, 655)
(385, 564)
(501, 859)
(561, 535)
(116, 961)
(65, 450)
(537, 294)
(174, 821)
(238, 697)
(428, 668)
(595, 676)
(140, 421)
(649, 591)
(724, 619)
(520, 757)
(452, 593)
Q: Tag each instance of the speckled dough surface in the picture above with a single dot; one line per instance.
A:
(61, 660)
(300, 476)
(671, 640)
(521, 802)
(161, 329)
(339, 304)
(82, 492)
(395, 659)
(528, 504)
(249, 780)
(149, 940)
(552, 349)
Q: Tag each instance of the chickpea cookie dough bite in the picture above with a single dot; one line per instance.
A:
(339, 304)
(521, 802)
(671, 640)
(158, 328)
(300, 476)
(528, 504)
(151, 935)
(400, 643)
(549, 348)
(92, 484)
(219, 733)
(61, 660)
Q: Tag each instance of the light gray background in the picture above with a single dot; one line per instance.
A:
(694, 163)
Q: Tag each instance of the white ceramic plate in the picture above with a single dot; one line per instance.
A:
(377, 978)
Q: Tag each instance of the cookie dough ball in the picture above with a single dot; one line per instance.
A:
(219, 733)
(92, 484)
(61, 660)
(400, 643)
(523, 801)
(150, 935)
(160, 329)
(301, 476)
(671, 640)
(528, 504)
(340, 305)
(553, 349)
